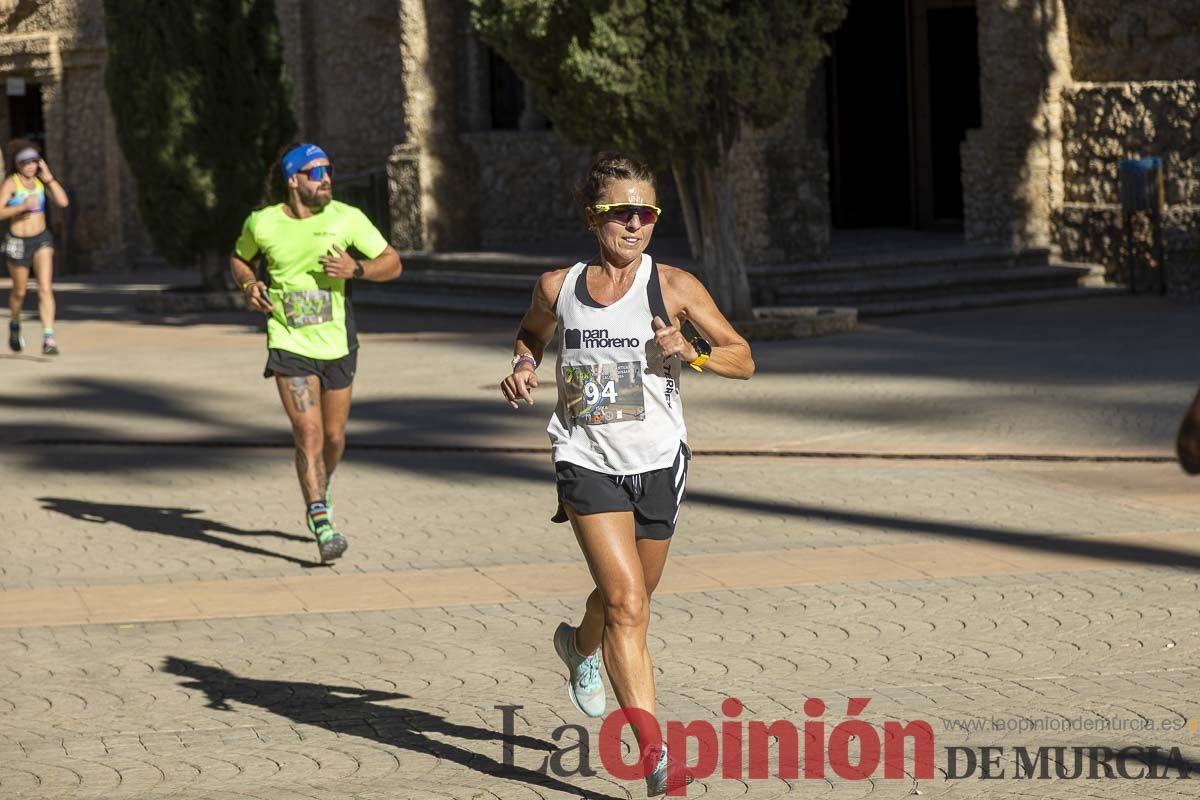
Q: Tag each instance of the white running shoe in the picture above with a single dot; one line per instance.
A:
(584, 686)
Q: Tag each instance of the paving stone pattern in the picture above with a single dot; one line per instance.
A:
(401, 702)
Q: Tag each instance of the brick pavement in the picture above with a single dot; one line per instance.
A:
(400, 703)
(1008, 601)
(1103, 376)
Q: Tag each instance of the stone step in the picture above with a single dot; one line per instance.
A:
(860, 290)
(483, 261)
(901, 262)
(397, 295)
(963, 302)
(471, 282)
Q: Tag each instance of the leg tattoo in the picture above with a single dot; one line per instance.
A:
(311, 472)
(300, 393)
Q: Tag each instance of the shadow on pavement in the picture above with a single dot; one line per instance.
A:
(171, 522)
(1045, 542)
(22, 357)
(354, 711)
(1160, 763)
(95, 303)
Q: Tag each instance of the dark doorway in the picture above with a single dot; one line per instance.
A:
(25, 118)
(507, 93)
(903, 90)
(869, 141)
(954, 105)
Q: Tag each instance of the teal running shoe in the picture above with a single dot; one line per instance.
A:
(584, 686)
(667, 776)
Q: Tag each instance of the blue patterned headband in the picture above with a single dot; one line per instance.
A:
(298, 156)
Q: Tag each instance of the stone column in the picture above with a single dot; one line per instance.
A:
(54, 110)
(431, 56)
(1013, 165)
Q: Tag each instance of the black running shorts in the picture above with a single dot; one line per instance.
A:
(20, 249)
(335, 374)
(653, 497)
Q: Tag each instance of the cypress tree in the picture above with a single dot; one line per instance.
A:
(673, 82)
(202, 107)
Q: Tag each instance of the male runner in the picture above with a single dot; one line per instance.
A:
(303, 235)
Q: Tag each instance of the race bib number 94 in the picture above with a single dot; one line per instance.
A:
(310, 307)
(597, 394)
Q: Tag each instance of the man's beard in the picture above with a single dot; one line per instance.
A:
(313, 198)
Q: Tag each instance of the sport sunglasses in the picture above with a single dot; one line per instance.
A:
(624, 212)
(317, 174)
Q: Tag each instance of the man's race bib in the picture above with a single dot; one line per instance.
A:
(597, 394)
(310, 307)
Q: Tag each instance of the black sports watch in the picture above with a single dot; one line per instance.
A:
(358, 268)
(703, 351)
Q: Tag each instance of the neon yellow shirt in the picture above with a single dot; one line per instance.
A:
(311, 314)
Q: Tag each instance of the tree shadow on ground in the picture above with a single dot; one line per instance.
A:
(96, 303)
(1084, 546)
(354, 711)
(177, 522)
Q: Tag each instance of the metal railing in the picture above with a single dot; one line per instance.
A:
(367, 191)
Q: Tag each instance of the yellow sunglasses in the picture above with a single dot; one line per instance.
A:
(624, 212)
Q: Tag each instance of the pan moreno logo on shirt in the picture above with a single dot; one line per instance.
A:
(586, 338)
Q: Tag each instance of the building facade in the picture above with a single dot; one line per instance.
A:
(1002, 119)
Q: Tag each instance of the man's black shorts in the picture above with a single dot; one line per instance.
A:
(653, 497)
(335, 374)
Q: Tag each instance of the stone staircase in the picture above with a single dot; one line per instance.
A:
(485, 283)
(944, 279)
(877, 284)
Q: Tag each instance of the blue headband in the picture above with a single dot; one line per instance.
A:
(298, 156)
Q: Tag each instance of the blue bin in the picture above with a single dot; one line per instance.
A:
(1141, 184)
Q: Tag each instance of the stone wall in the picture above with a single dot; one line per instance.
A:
(526, 187)
(1119, 40)
(798, 189)
(343, 60)
(1105, 123)
(527, 184)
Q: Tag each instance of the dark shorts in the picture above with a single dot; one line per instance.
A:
(19, 250)
(653, 497)
(335, 374)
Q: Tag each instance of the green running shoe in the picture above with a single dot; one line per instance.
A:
(330, 544)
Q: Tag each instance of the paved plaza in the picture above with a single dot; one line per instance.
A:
(973, 520)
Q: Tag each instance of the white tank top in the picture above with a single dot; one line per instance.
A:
(619, 410)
